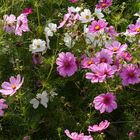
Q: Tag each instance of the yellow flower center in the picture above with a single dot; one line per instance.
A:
(13, 87)
(97, 27)
(138, 30)
(38, 46)
(87, 17)
(115, 49)
(90, 62)
(103, 4)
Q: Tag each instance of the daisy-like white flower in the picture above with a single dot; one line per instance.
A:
(10, 88)
(98, 13)
(105, 102)
(41, 98)
(38, 45)
(86, 16)
(69, 42)
(98, 128)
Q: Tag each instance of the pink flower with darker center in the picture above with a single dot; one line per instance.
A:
(105, 102)
(10, 88)
(100, 72)
(116, 47)
(98, 128)
(134, 28)
(66, 64)
(27, 11)
(87, 62)
(22, 25)
(3, 106)
(104, 56)
(97, 26)
(9, 23)
(111, 31)
(103, 4)
(74, 1)
(76, 136)
(130, 74)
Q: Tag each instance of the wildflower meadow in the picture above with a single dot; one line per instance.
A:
(69, 70)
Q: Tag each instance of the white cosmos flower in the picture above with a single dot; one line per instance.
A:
(69, 42)
(37, 45)
(86, 16)
(40, 99)
(98, 13)
(73, 9)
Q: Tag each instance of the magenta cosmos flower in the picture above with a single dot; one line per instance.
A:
(76, 136)
(104, 56)
(9, 23)
(66, 64)
(103, 4)
(134, 28)
(10, 88)
(98, 128)
(105, 102)
(74, 1)
(111, 31)
(116, 47)
(22, 25)
(100, 72)
(3, 106)
(97, 26)
(27, 11)
(130, 74)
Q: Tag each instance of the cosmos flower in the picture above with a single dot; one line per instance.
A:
(130, 74)
(68, 40)
(134, 28)
(37, 58)
(111, 31)
(105, 102)
(98, 128)
(37, 45)
(9, 23)
(74, 1)
(97, 26)
(86, 16)
(98, 13)
(10, 88)
(103, 4)
(3, 106)
(21, 25)
(27, 11)
(76, 136)
(66, 64)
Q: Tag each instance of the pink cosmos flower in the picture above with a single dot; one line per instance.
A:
(87, 62)
(9, 23)
(104, 56)
(111, 31)
(76, 136)
(100, 72)
(37, 59)
(103, 4)
(27, 11)
(105, 102)
(10, 88)
(22, 24)
(116, 47)
(74, 1)
(66, 64)
(134, 28)
(130, 74)
(125, 56)
(98, 128)
(3, 106)
(97, 26)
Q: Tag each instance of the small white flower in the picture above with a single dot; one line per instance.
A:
(68, 41)
(98, 13)
(40, 99)
(53, 27)
(52, 94)
(37, 45)
(73, 9)
(86, 16)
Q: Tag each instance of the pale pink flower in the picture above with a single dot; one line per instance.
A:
(10, 88)
(9, 23)
(66, 64)
(22, 25)
(97, 26)
(3, 106)
(76, 136)
(105, 102)
(116, 47)
(111, 31)
(134, 28)
(98, 128)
